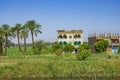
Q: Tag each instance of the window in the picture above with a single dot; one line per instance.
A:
(79, 42)
(64, 42)
(75, 36)
(64, 36)
(60, 43)
(70, 36)
(75, 43)
(60, 36)
(79, 36)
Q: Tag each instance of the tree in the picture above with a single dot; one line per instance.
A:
(56, 46)
(24, 35)
(119, 49)
(39, 45)
(83, 52)
(34, 28)
(1, 41)
(68, 48)
(6, 33)
(16, 31)
(84, 46)
(101, 46)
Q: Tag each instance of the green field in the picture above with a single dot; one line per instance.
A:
(48, 64)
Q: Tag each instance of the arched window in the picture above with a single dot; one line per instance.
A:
(79, 36)
(75, 36)
(75, 43)
(78, 42)
(60, 36)
(64, 36)
(70, 36)
(64, 43)
(60, 42)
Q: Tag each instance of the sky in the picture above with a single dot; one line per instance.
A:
(91, 16)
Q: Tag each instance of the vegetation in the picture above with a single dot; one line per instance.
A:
(16, 31)
(83, 52)
(49, 65)
(54, 60)
(39, 45)
(101, 46)
(119, 49)
(34, 28)
(68, 48)
(20, 32)
(57, 46)
(84, 46)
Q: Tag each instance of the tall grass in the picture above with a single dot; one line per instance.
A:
(51, 65)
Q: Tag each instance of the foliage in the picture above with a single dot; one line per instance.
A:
(39, 45)
(36, 51)
(16, 31)
(56, 46)
(44, 65)
(34, 29)
(101, 46)
(59, 52)
(83, 46)
(83, 54)
(68, 48)
(119, 49)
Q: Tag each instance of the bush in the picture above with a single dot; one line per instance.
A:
(56, 46)
(83, 54)
(59, 52)
(101, 46)
(83, 47)
(36, 52)
(119, 49)
(39, 45)
(68, 48)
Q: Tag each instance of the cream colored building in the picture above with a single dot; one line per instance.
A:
(74, 37)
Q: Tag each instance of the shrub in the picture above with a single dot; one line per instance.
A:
(39, 45)
(68, 48)
(36, 52)
(101, 46)
(56, 46)
(59, 52)
(83, 47)
(83, 54)
(119, 49)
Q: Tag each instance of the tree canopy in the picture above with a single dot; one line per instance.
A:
(101, 46)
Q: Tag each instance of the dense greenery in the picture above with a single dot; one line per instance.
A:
(83, 52)
(57, 46)
(20, 32)
(101, 46)
(68, 48)
(50, 65)
(119, 49)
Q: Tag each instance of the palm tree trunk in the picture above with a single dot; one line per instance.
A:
(25, 48)
(19, 42)
(6, 44)
(1, 49)
(32, 39)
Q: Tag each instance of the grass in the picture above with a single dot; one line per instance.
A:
(50, 65)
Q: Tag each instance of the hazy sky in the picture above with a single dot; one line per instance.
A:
(89, 15)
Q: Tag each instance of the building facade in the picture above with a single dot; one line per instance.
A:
(112, 38)
(74, 37)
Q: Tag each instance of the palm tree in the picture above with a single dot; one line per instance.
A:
(16, 31)
(6, 33)
(24, 35)
(1, 41)
(34, 28)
